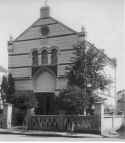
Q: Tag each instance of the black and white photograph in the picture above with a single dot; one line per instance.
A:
(62, 66)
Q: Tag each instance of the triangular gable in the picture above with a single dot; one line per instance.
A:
(56, 29)
(18, 37)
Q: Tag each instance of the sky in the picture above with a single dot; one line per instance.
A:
(102, 19)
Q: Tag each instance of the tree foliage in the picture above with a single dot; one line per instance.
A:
(25, 101)
(88, 68)
(4, 88)
(71, 101)
(85, 76)
(11, 88)
(11, 85)
(8, 88)
(20, 99)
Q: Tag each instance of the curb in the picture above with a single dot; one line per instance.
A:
(110, 135)
(51, 134)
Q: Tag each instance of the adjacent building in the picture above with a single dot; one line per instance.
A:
(121, 101)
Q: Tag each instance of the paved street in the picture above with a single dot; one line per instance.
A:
(21, 135)
(8, 137)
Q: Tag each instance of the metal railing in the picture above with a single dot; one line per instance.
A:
(75, 123)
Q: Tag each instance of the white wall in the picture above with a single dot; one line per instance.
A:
(110, 122)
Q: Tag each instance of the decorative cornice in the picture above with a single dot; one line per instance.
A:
(30, 78)
(40, 69)
(52, 47)
(61, 64)
(38, 38)
(22, 78)
(19, 67)
(19, 54)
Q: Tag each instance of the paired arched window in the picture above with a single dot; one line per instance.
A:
(54, 56)
(35, 57)
(44, 58)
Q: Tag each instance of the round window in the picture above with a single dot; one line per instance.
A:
(44, 30)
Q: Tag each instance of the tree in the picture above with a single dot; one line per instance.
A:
(8, 88)
(4, 88)
(11, 88)
(25, 101)
(86, 74)
(71, 101)
(87, 68)
(22, 101)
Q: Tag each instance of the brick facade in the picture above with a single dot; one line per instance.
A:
(20, 51)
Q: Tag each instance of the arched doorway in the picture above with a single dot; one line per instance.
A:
(44, 84)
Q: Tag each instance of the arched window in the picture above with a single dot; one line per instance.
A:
(35, 57)
(54, 56)
(44, 57)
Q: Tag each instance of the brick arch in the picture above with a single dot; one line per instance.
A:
(44, 57)
(44, 48)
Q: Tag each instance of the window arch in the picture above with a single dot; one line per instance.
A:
(44, 59)
(54, 56)
(35, 57)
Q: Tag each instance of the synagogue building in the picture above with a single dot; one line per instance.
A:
(38, 58)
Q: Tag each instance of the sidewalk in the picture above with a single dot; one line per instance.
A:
(17, 131)
(47, 133)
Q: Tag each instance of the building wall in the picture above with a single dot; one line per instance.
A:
(23, 84)
(20, 53)
(34, 31)
(112, 122)
(109, 72)
(21, 72)
(121, 101)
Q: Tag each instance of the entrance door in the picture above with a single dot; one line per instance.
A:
(46, 103)
(44, 85)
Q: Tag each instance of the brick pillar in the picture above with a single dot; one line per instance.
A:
(99, 112)
(7, 115)
(27, 120)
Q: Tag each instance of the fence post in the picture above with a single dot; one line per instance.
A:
(99, 112)
(112, 120)
(27, 120)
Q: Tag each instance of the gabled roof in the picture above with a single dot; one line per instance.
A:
(56, 28)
